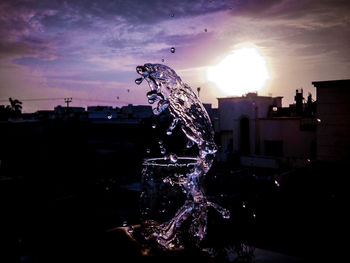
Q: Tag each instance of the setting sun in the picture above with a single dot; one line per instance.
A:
(244, 70)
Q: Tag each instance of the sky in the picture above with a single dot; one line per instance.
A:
(88, 50)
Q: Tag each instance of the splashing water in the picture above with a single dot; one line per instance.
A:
(169, 92)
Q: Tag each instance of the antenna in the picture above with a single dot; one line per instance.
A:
(198, 90)
(68, 100)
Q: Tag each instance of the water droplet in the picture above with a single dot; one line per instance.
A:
(152, 94)
(172, 50)
(205, 30)
(130, 229)
(138, 81)
(154, 126)
(277, 183)
(243, 205)
(107, 188)
(162, 150)
(172, 14)
(226, 214)
(169, 132)
(109, 115)
(254, 215)
(148, 150)
(162, 59)
(318, 120)
(173, 158)
(160, 142)
(189, 144)
(125, 223)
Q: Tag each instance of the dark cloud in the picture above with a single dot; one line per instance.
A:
(43, 21)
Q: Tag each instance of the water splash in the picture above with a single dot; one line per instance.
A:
(169, 92)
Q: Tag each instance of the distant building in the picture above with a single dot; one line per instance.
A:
(102, 112)
(136, 112)
(262, 133)
(213, 115)
(333, 112)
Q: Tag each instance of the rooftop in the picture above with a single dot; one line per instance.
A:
(341, 83)
(248, 95)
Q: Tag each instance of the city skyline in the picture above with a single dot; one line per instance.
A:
(89, 50)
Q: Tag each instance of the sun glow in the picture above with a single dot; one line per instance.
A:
(244, 70)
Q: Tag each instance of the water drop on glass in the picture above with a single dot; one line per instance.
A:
(125, 223)
(172, 50)
(160, 142)
(138, 81)
(172, 14)
(205, 30)
(154, 126)
(318, 120)
(148, 150)
(162, 59)
(169, 132)
(243, 205)
(254, 215)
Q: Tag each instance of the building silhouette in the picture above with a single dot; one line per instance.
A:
(260, 132)
(333, 114)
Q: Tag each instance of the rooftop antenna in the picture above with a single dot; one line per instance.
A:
(67, 101)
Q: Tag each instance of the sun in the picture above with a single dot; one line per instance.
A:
(244, 70)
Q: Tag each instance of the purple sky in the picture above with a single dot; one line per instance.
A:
(88, 50)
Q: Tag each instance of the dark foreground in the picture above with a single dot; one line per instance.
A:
(62, 190)
(303, 219)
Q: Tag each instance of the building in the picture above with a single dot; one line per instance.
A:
(263, 133)
(102, 112)
(136, 112)
(333, 112)
(238, 120)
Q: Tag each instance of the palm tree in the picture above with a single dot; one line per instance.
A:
(15, 108)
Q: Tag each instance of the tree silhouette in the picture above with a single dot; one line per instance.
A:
(15, 108)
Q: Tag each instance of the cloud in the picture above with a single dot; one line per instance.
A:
(92, 42)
